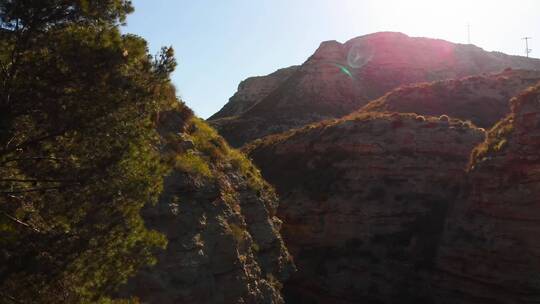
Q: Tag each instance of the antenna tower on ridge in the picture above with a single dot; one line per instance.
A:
(469, 33)
(527, 49)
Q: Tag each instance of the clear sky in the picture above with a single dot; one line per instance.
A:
(218, 43)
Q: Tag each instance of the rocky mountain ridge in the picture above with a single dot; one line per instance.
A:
(341, 78)
(482, 99)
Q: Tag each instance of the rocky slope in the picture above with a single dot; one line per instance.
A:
(490, 248)
(482, 99)
(253, 90)
(342, 77)
(219, 217)
(364, 200)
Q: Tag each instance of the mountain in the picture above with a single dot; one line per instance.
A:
(219, 216)
(363, 200)
(340, 78)
(482, 99)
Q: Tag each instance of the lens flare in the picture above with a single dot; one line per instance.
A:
(359, 55)
(344, 70)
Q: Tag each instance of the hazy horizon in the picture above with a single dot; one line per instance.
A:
(219, 44)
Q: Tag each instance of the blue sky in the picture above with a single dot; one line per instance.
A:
(218, 43)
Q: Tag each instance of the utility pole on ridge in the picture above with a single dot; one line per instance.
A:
(469, 33)
(527, 49)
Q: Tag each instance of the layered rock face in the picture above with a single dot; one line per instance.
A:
(219, 217)
(364, 200)
(340, 78)
(482, 99)
(253, 90)
(490, 249)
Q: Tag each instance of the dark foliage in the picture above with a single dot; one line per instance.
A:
(79, 151)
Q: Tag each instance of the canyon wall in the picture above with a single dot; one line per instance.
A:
(490, 248)
(364, 201)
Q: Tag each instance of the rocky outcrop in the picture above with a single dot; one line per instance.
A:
(482, 99)
(251, 91)
(390, 208)
(219, 217)
(364, 201)
(490, 249)
(341, 78)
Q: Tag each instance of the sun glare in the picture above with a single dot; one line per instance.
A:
(443, 19)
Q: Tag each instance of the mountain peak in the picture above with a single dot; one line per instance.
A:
(380, 35)
(341, 78)
(328, 50)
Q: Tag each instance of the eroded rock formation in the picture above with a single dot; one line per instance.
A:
(364, 200)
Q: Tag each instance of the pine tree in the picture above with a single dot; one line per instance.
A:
(78, 149)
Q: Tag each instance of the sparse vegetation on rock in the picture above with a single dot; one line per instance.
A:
(220, 218)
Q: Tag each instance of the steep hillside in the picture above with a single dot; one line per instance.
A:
(490, 247)
(364, 201)
(482, 99)
(253, 90)
(219, 217)
(342, 77)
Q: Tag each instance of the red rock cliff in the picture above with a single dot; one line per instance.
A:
(490, 248)
(364, 201)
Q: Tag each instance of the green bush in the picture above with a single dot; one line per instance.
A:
(495, 142)
(192, 163)
(237, 233)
